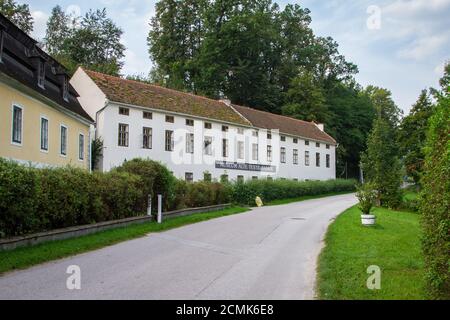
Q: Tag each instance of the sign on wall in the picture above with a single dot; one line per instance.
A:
(244, 166)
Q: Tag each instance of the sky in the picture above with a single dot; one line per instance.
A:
(401, 45)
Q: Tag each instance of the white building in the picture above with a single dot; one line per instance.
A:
(199, 138)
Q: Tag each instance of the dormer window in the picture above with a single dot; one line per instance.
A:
(66, 88)
(41, 74)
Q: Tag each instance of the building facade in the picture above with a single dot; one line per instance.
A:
(42, 122)
(199, 138)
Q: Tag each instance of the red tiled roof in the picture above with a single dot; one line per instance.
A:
(152, 96)
(286, 125)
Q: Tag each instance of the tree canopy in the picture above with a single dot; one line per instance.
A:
(19, 14)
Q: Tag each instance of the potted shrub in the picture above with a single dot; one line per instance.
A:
(367, 195)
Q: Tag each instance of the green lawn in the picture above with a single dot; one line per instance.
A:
(393, 245)
(292, 200)
(28, 256)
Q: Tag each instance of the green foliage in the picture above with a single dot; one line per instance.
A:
(366, 195)
(35, 200)
(380, 161)
(267, 190)
(412, 135)
(19, 14)
(435, 201)
(92, 41)
(156, 177)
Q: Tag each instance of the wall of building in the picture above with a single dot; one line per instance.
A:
(198, 163)
(30, 148)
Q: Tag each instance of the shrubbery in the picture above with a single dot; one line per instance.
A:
(267, 190)
(35, 200)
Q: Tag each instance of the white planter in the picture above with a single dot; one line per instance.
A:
(368, 220)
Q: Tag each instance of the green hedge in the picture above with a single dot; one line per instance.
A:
(35, 200)
(268, 190)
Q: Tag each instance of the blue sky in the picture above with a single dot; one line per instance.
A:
(401, 45)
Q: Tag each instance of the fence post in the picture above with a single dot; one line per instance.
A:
(149, 207)
(159, 208)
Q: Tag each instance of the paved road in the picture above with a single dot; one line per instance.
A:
(268, 253)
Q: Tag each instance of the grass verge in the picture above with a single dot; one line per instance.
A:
(25, 257)
(393, 245)
(299, 199)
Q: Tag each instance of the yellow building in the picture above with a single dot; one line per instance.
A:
(41, 120)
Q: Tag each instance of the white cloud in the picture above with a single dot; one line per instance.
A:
(40, 24)
(424, 47)
(415, 7)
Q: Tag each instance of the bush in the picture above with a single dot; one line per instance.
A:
(267, 190)
(435, 203)
(366, 195)
(157, 179)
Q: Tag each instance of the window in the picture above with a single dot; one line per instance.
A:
(317, 144)
(240, 131)
(295, 140)
(123, 135)
(307, 158)
(44, 134)
(189, 176)
(170, 119)
(306, 143)
(317, 159)
(207, 177)
(66, 88)
(269, 135)
(147, 115)
(147, 138)
(124, 111)
(255, 152)
(63, 140)
(208, 146)
(328, 160)
(225, 128)
(41, 74)
(269, 179)
(328, 146)
(224, 178)
(190, 122)
(81, 146)
(283, 155)
(254, 178)
(269, 153)
(255, 133)
(225, 148)
(169, 143)
(189, 143)
(208, 125)
(240, 151)
(295, 156)
(283, 138)
(17, 120)
(296, 180)
(240, 179)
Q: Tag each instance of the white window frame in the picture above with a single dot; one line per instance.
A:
(169, 146)
(283, 155)
(328, 161)
(307, 159)
(240, 150)
(295, 156)
(150, 138)
(126, 137)
(207, 150)
(43, 117)
(80, 134)
(190, 141)
(16, 105)
(318, 160)
(225, 148)
(269, 153)
(255, 152)
(66, 142)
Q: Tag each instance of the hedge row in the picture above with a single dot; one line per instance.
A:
(246, 192)
(35, 200)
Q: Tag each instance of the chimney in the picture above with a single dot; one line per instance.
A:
(321, 126)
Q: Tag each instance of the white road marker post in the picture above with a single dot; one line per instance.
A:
(149, 207)
(159, 208)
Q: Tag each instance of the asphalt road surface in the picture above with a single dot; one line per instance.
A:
(267, 253)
